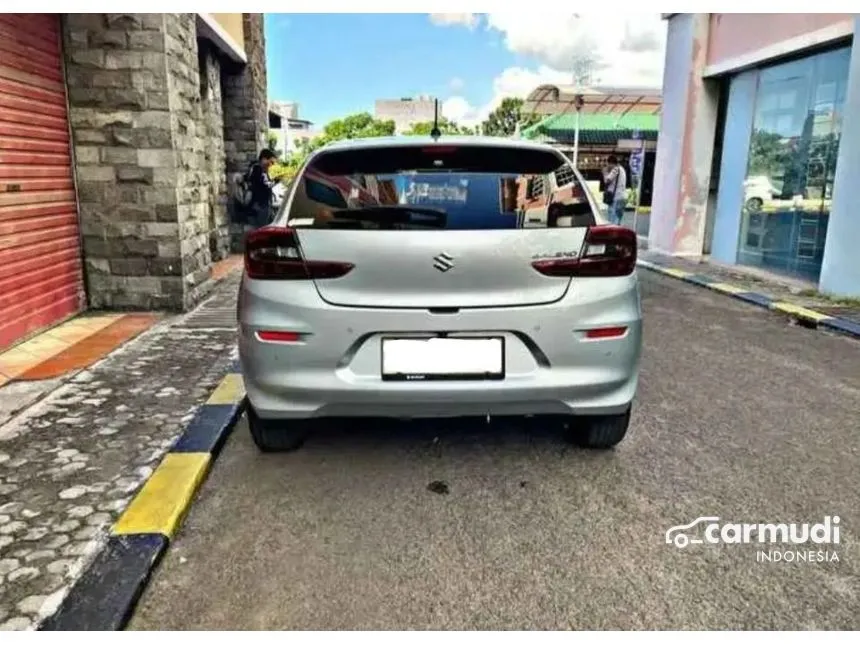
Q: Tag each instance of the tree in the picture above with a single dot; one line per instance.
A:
(502, 121)
(272, 143)
(355, 126)
(446, 126)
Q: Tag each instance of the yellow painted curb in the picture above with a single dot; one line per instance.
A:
(163, 500)
(678, 273)
(230, 391)
(797, 310)
(726, 288)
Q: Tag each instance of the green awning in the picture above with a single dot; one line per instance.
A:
(595, 129)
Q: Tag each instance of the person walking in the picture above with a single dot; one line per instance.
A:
(615, 190)
(261, 188)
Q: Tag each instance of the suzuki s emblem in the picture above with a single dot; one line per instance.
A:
(443, 262)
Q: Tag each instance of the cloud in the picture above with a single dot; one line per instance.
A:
(469, 20)
(514, 81)
(624, 52)
(456, 84)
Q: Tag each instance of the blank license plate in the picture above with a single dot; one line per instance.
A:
(424, 359)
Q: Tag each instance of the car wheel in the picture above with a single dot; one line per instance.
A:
(274, 435)
(754, 204)
(599, 432)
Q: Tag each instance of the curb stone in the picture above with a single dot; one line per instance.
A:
(808, 317)
(105, 596)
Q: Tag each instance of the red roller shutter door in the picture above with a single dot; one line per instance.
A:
(40, 259)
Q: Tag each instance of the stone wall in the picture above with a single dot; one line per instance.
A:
(213, 152)
(246, 113)
(145, 108)
(119, 111)
(196, 189)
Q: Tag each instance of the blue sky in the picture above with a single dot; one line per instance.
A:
(371, 56)
(339, 64)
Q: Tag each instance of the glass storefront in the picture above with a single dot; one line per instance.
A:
(792, 161)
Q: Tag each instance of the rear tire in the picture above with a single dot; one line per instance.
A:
(754, 204)
(599, 432)
(274, 435)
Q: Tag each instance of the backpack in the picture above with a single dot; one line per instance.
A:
(243, 193)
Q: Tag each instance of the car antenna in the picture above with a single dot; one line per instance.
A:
(435, 132)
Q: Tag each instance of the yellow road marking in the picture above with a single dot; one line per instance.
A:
(797, 310)
(163, 500)
(727, 288)
(231, 390)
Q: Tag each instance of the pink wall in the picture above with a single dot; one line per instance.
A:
(736, 34)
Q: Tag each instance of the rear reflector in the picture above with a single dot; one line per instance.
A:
(273, 253)
(606, 332)
(608, 251)
(279, 336)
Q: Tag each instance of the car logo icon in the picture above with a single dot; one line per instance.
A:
(676, 536)
(443, 262)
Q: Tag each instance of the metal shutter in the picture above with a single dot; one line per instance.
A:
(40, 258)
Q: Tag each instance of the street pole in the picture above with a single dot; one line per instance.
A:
(578, 103)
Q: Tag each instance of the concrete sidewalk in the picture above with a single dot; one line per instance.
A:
(796, 299)
(70, 463)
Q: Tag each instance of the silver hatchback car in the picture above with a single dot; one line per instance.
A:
(417, 277)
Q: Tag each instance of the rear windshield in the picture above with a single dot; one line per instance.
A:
(439, 187)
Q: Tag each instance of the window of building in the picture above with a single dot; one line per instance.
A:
(535, 188)
(564, 176)
(792, 161)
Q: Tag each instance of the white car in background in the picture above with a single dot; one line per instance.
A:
(757, 191)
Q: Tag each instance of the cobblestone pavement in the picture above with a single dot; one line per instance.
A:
(71, 463)
(785, 289)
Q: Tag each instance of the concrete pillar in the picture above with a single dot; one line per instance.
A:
(840, 269)
(150, 174)
(685, 145)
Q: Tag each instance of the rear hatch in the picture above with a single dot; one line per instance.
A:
(440, 226)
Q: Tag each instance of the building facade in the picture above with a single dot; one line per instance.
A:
(406, 111)
(287, 129)
(623, 122)
(759, 145)
(117, 134)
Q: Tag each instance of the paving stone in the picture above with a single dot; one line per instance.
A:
(73, 493)
(13, 527)
(61, 566)
(84, 450)
(80, 511)
(22, 573)
(34, 534)
(31, 604)
(19, 623)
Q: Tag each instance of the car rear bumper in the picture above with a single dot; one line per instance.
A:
(551, 367)
(328, 396)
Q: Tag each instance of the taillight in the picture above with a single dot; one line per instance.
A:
(608, 251)
(605, 332)
(273, 253)
(279, 336)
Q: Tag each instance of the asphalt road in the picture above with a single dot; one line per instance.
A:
(740, 415)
